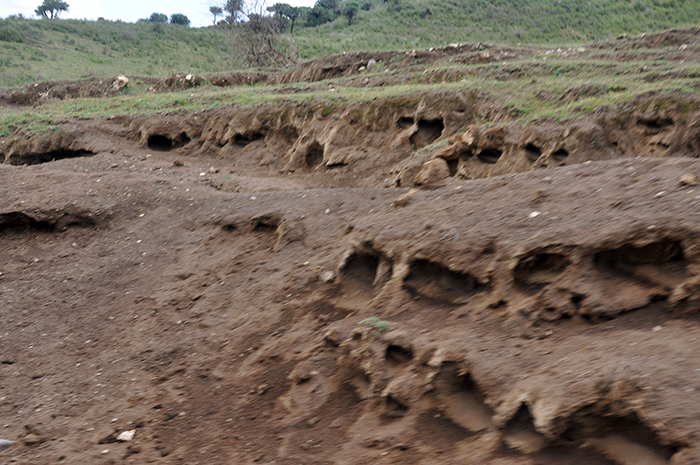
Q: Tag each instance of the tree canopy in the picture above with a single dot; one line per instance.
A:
(158, 18)
(179, 18)
(234, 8)
(216, 11)
(51, 8)
(285, 10)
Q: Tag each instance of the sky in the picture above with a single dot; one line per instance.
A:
(129, 10)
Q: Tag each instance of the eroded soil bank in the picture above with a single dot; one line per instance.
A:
(532, 318)
(398, 282)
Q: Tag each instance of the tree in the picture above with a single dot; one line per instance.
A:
(51, 8)
(158, 18)
(216, 11)
(179, 18)
(350, 10)
(259, 37)
(287, 11)
(234, 8)
(324, 11)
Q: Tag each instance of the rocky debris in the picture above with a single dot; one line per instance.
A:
(405, 198)
(432, 172)
(178, 82)
(238, 79)
(4, 444)
(689, 179)
(126, 436)
(120, 83)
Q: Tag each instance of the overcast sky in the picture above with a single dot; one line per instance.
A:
(129, 10)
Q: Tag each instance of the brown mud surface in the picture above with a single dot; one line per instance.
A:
(302, 285)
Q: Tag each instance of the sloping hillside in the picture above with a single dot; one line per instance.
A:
(34, 51)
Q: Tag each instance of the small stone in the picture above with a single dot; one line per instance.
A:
(178, 163)
(32, 439)
(106, 451)
(327, 276)
(534, 214)
(656, 329)
(332, 336)
(405, 198)
(4, 444)
(126, 436)
(262, 389)
(120, 83)
(689, 179)
(683, 47)
(213, 170)
(432, 171)
(371, 63)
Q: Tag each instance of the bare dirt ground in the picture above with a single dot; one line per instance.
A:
(259, 286)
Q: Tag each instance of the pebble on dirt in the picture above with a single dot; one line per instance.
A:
(689, 179)
(126, 436)
(4, 444)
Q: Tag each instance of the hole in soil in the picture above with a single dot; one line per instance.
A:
(405, 122)
(453, 166)
(38, 158)
(490, 156)
(398, 355)
(655, 123)
(394, 407)
(427, 133)
(625, 439)
(560, 155)
(520, 433)
(314, 155)
(362, 268)
(436, 282)
(462, 401)
(246, 138)
(20, 222)
(539, 268)
(533, 152)
(659, 263)
(164, 143)
(266, 223)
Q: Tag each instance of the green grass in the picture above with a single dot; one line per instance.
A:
(39, 50)
(524, 83)
(412, 24)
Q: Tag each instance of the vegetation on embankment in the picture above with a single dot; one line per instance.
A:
(521, 83)
(39, 50)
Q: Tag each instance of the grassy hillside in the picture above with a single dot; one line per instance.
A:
(407, 24)
(37, 50)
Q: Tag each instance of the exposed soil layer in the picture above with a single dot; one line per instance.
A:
(393, 283)
(529, 318)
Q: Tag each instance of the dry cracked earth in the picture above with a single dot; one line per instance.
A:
(280, 286)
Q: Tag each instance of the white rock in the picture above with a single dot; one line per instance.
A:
(120, 83)
(4, 444)
(126, 436)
